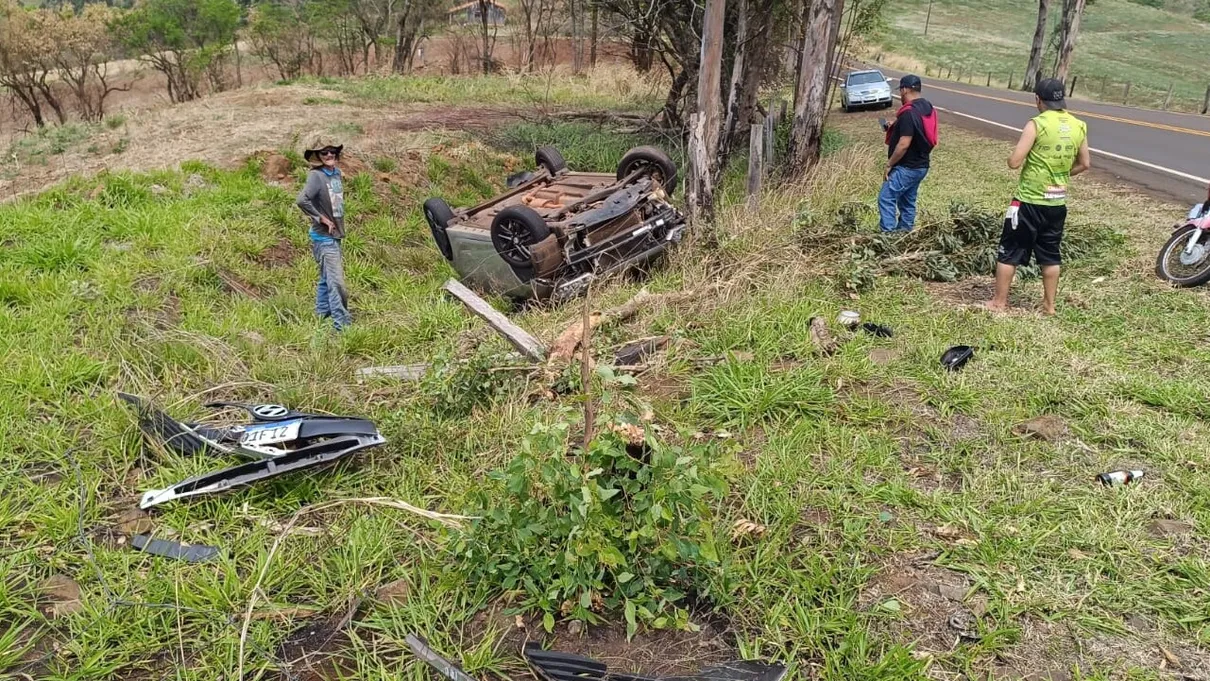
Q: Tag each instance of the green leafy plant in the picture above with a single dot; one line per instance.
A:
(624, 527)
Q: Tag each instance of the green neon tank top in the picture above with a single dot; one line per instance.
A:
(1047, 168)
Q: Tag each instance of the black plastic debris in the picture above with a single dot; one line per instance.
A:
(956, 357)
(449, 670)
(278, 440)
(551, 665)
(167, 548)
(877, 330)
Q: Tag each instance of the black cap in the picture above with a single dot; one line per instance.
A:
(1052, 93)
(910, 82)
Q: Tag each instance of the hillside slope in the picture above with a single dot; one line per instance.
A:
(1121, 41)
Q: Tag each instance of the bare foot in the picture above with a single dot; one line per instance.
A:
(995, 306)
(1048, 311)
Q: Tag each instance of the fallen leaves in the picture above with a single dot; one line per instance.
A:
(747, 529)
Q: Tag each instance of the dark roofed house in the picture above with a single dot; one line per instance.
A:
(469, 13)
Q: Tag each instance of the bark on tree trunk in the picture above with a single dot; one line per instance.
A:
(1039, 45)
(484, 7)
(1073, 10)
(709, 84)
(592, 45)
(743, 41)
(811, 90)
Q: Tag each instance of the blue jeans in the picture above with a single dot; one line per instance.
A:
(331, 295)
(899, 192)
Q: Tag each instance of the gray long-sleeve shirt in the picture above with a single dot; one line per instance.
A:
(323, 195)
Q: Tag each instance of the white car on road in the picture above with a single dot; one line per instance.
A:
(865, 88)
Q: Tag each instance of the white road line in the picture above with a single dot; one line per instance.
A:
(1110, 154)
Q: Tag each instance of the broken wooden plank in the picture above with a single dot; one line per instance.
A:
(520, 338)
(403, 372)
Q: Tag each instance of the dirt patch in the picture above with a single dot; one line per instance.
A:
(1047, 427)
(974, 291)
(650, 653)
(663, 386)
(316, 651)
(274, 167)
(884, 356)
(236, 285)
(929, 604)
(281, 254)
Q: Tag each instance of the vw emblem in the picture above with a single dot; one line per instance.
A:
(270, 411)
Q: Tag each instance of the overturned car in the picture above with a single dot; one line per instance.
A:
(554, 230)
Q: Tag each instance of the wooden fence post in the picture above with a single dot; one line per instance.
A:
(1206, 101)
(949, 71)
(756, 164)
(770, 138)
(926, 71)
(1010, 79)
(1168, 97)
(1126, 96)
(1104, 84)
(989, 78)
(1072, 90)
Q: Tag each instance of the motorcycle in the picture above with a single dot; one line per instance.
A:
(1185, 259)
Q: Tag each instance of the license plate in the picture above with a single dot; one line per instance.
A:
(271, 433)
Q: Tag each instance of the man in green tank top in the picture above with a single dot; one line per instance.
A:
(1053, 148)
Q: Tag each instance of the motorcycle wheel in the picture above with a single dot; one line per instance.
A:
(1182, 269)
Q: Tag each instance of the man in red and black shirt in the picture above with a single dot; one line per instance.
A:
(910, 139)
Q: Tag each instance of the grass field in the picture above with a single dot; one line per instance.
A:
(1120, 41)
(900, 525)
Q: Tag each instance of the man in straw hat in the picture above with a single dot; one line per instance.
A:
(322, 200)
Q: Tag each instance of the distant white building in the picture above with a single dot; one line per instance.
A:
(469, 13)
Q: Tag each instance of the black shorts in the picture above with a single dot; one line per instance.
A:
(1039, 232)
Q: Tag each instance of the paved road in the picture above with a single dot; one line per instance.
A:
(1166, 154)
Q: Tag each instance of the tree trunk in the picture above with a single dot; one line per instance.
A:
(837, 44)
(593, 37)
(239, 71)
(1073, 10)
(1039, 45)
(672, 109)
(743, 41)
(576, 46)
(811, 90)
(709, 85)
(484, 8)
(399, 62)
(757, 49)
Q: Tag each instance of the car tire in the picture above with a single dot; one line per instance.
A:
(844, 108)
(654, 158)
(438, 214)
(549, 158)
(514, 230)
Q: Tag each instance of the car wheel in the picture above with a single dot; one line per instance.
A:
(656, 161)
(844, 108)
(438, 214)
(514, 231)
(548, 157)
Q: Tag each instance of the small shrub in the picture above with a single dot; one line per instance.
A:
(456, 390)
(115, 121)
(626, 526)
(121, 145)
(313, 101)
(385, 164)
